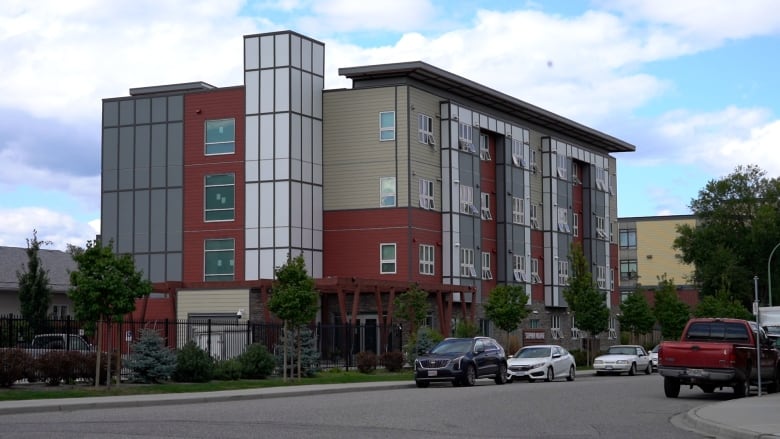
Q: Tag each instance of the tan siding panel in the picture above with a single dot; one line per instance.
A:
(211, 301)
(655, 255)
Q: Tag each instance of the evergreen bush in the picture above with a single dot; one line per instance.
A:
(256, 362)
(14, 363)
(193, 365)
(366, 362)
(310, 356)
(229, 370)
(151, 361)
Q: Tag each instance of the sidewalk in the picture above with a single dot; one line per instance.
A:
(752, 417)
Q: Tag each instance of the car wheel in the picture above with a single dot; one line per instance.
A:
(742, 388)
(598, 374)
(648, 369)
(550, 375)
(632, 371)
(707, 388)
(470, 377)
(501, 376)
(572, 372)
(774, 386)
(422, 384)
(671, 387)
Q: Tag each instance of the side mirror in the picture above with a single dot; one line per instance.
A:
(556, 356)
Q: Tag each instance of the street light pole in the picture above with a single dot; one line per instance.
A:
(769, 272)
(758, 336)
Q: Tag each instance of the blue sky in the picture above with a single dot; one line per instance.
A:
(691, 83)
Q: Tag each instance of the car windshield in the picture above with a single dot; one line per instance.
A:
(655, 349)
(621, 350)
(533, 353)
(455, 346)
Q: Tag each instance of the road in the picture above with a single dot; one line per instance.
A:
(589, 407)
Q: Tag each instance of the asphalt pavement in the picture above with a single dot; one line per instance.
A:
(741, 418)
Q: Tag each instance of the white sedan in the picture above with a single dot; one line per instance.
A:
(623, 358)
(538, 362)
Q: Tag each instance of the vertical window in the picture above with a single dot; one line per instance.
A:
(387, 258)
(575, 173)
(387, 125)
(601, 179)
(387, 192)
(485, 207)
(563, 220)
(426, 259)
(518, 210)
(628, 238)
(575, 332)
(467, 263)
(467, 200)
(533, 160)
(487, 273)
(534, 216)
(601, 277)
(612, 331)
(575, 226)
(517, 153)
(425, 129)
(600, 230)
(563, 272)
(562, 162)
(535, 278)
(534, 324)
(555, 327)
(465, 137)
(220, 197)
(220, 136)
(219, 256)
(426, 194)
(518, 268)
(484, 147)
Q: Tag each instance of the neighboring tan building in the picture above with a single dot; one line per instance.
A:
(647, 254)
(412, 176)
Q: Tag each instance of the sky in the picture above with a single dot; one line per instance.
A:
(692, 84)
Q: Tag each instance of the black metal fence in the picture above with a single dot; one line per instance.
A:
(223, 339)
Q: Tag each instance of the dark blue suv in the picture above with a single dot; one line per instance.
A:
(461, 361)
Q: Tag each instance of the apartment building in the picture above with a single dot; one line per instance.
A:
(413, 176)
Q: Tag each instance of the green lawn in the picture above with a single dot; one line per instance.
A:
(40, 391)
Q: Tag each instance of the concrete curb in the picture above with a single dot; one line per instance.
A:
(99, 402)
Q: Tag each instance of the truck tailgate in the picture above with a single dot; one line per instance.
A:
(697, 355)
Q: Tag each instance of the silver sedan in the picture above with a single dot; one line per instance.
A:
(547, 362)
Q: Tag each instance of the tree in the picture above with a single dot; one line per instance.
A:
(412, 307)
(151, 361)
(672, 314)
(34, 288)
(721, 305)
(738, 226)
(104, 288)
(294, 301)
(636, 315)
(505, 306)
(585, 301)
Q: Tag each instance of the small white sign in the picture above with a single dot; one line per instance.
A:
(129, 336)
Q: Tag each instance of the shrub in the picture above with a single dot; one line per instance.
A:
(193, 364)
(256, 362)
(228, 370)
(393, 361)
(14, 363)
(425, 339)
(86, 368)
(310, 356)
(54, 367)
(466, 329)
(580, 357)
(151, 361)
(366, 362)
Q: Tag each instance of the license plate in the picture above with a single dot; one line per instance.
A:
(609, 367)
(432, 373)
(694, 372)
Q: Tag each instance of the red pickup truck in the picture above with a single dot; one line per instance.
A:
(714, 353)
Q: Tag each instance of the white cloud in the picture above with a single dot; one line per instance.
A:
(17, 225)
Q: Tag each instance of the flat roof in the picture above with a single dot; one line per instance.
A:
(171, 88)
(458, 86)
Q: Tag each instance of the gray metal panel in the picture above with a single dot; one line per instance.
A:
(143, 111)
(110, 114)
(110, 149)
(141, 219)
(124, 242)
(174, 220)
(158, 155)
(157, 226)
(175, 144)
(142, 264)
(126, 157)
(110, 178)
(127, 112)
(159, 113)
(175, 176)
(157, 267)
(173, 267)
(175, 107)
(141, 164)
(108, 216)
